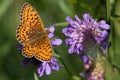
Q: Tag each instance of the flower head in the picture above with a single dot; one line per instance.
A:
(97, 71)
(44, 67)
(84, 36)
(47, 67)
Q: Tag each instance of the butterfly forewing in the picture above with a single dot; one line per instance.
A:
(29, 16)
(30, 24)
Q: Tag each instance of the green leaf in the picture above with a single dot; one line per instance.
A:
(111, 72)
(67, 10)
(108, 9)
(115, 52)
(117, 8)
(35, 76)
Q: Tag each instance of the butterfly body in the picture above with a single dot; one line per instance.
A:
(31, 34)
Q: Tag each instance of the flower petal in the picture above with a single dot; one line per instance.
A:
(41, 71)
(50, 35)
(69, 20)
(86, 17)
(68, 41)
(104, 33)
(71, 49)
(85, 58)
(48, 69)
(56, 42)
(52, 29)
(104, 25)
(77, 18)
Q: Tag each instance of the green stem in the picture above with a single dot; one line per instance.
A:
(68, 71)
(73, 77)
(108, 9)
(61, 24)
(35, 76)
(65, 66)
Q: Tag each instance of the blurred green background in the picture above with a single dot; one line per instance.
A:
(55, 12)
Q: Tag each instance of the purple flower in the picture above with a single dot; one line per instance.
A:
(44, 67)
(54, 42)
(85, 36)
(47, 67)
(96, 72)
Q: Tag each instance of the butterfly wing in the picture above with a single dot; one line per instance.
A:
(28, 51)
(31, 24)
(44, 51)
(28, 34)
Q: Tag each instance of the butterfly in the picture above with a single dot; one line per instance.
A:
(32, 35)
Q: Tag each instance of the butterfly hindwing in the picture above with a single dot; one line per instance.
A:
(44, 52)
(28, 51)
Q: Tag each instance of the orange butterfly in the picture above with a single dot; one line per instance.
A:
(31, 34)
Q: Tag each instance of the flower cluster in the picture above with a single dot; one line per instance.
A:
(96, 72)
(44, 67)
(86, 36)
